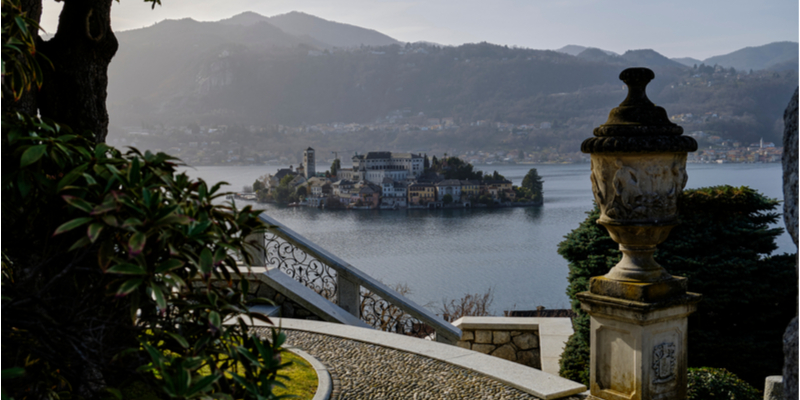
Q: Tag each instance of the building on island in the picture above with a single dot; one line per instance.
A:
(309, 163)
(448, 186)
(382, 179)
(376, 165)
(470, 189)
(394, 194)
(420, 194)
(274, 180)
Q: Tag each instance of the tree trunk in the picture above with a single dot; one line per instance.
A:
(74, 91)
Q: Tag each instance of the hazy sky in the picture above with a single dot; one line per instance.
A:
(674, 28)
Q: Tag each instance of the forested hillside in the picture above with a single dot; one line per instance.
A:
(254, 73)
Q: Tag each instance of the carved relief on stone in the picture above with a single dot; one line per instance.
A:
(664, 362)
(638, 188)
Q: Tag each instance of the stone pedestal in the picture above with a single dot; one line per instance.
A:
(638, 310)
(638, 338)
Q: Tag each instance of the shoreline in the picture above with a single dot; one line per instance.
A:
(430, 206)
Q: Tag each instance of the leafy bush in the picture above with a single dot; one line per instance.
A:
(722, 247)
(718, 383)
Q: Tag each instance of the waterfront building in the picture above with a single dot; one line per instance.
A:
(316, 186)
(370, 194)
(470, 189)
(394, 194)
(421, 193)
(448, 186)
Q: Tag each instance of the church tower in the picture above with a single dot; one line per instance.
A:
(309, 162)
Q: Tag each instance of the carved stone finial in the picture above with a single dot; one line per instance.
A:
(637, 125)
(637, 79)
(638, 172)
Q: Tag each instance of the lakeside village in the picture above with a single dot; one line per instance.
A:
(221, 145)
(387, 180)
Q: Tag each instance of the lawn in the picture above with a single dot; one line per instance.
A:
(302, 381)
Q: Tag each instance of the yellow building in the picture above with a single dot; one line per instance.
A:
(470, 189)
(421, 193)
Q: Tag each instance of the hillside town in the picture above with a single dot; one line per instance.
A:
(223, 145)
(387, 180)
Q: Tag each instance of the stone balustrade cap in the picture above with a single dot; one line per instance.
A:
(497, 323)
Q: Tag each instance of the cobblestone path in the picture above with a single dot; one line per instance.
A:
(365, 371)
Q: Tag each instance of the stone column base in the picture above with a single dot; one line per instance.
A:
(638, 347)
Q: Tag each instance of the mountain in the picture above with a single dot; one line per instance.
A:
(596, 54)
(574, 50)
(649, 58)
(631, 58)
(790, 65)
(334, 33)
(163, 58)
(760, 57)
(687, 61)
(245, 19)
(246, 70)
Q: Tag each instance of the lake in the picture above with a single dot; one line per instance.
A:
(445, 254)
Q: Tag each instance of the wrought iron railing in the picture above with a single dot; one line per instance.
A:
(351, 289)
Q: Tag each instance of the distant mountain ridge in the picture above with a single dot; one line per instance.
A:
(687, 61)
(301, 25)
(776, 56)
(295, 69)
(574, 50)
(334, 33)
(759, 57)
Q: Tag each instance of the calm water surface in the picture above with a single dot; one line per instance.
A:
(444, 254)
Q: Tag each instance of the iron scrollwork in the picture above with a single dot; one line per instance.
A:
(304, 268)
(388, 317)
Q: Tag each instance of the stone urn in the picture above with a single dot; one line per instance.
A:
(638, 163)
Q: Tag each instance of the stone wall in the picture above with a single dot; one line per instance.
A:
(502, 337)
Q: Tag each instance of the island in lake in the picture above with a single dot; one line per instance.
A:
(387, 180)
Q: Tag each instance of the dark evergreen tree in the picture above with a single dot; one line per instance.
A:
(533, 182)
(335, 167)
(722, 247)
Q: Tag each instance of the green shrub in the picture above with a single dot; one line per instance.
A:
(718, 383)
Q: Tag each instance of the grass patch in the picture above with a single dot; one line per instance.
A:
(302, 381)
(303, 378)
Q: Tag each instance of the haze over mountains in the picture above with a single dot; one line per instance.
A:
(296, 68)
(777, 56)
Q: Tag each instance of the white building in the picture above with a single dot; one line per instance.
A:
(378, 175)
(448, 186)
(377, 165)
(393, 194)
